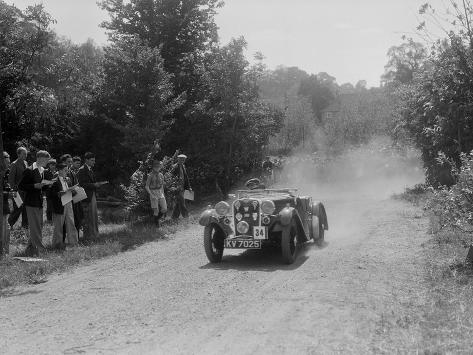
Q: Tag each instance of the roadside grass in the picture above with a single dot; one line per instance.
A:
(114, 238)
(444, 315)
(417, 195)
(448, 312)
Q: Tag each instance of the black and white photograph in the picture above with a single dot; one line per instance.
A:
(236, 177)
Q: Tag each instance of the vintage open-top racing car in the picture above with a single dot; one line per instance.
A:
(262, 216)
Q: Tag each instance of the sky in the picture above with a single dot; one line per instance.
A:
(348, 39)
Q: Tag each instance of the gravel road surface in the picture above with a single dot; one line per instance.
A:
(165, 298)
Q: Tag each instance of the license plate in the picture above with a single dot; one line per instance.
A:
(242, 244)
(259, 233)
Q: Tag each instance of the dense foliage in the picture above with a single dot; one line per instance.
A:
(46, 83)
(164, 75)
(454, 205)
(321, 115)
(434, 95)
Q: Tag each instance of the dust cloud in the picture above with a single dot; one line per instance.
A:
(374, 171)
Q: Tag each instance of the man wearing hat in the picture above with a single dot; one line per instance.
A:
(7, 194)
(32, 183)
(16, 173)
(180, 173)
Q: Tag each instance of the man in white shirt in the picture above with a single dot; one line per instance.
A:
(62, 213)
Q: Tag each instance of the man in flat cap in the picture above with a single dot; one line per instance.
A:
(180, 173)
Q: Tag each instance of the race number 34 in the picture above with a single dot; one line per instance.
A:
(259, 232)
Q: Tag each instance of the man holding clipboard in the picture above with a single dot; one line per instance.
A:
(87, 181)
(61, 205)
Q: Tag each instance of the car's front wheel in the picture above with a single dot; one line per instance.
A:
(318, 230)
(289, 243)
(213, 243)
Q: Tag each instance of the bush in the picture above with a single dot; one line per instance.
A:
(454, 205)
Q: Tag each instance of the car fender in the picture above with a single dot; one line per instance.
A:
(286, 215)
(208, 217)
(318, 210)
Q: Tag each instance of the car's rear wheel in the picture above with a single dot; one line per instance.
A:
(289, 243)
(213, 243)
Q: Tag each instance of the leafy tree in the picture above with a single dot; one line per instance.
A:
(404, 60)
(237, 123)
(318, 94)
(361, 85)
(133, 106)
(23, 38)
(435, 106)
(362, 115)
(347, 88)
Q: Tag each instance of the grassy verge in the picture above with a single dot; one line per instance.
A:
(114, 238)
(417, 195)
(448, 312)
(445, 314)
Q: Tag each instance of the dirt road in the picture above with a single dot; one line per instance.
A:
(357, 294)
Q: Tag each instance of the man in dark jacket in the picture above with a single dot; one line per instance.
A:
(87, 180)
(16, 173)
(77, 207)
(33, 183)
(5, 238)
(49, 174)
(180, 173)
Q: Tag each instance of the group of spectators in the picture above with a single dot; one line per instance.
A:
(24, 189)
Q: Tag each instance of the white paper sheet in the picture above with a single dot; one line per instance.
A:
(189, 195)
(18, 200)
(66, 198)
(80, 195)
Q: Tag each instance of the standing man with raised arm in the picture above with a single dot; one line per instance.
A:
(16, 173)
(32, 183)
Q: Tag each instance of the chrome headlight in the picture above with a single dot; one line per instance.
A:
(268, 207)
(222, 208)
(243, 227)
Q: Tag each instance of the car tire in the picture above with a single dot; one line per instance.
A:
(213, 243)
(317, 227)
(289, 243)
(321, 237)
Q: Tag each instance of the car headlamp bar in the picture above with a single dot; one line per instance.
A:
(222, 208)
(268, 207)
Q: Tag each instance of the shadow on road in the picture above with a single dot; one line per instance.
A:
(268, 259)
(16, 293)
